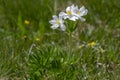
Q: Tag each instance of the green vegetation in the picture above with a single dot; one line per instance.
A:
(31, 50)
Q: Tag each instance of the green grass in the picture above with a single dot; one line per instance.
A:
(36, 52)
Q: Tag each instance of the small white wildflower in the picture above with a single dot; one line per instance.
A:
(70, 14)
(56, 22)
(81, 12)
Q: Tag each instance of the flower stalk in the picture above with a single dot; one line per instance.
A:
(70, 42)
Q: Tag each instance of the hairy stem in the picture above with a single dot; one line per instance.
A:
(70, 42)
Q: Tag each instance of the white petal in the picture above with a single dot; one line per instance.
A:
(61, 21)
(75, 9)
(65, 17)
(62, 26)
(54, 26)
(82, 19)
(63, 14)
(52, 21)
(82, 8)
(83, 11)
(73, 18)
(67, 9)
(55, 17)
(72, 7)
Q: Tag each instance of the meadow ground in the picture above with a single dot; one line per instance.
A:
(31, 50)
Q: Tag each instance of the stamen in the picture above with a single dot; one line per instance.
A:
(57, 21)
(69, 13)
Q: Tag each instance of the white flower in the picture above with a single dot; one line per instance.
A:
(80, 12)
(70, 14)
(56, 22)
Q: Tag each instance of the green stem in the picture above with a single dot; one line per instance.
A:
(70, 42)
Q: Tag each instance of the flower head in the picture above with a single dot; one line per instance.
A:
(92, 44)
(27, 22)
(70, 14)
(37, 39)
(56, 22)
(80, 12)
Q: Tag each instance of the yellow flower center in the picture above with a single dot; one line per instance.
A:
(69, 13)
(58, 22)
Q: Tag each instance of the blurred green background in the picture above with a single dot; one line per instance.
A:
(31, 50)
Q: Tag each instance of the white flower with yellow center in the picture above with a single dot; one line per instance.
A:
(70, 14)
(56, 22)
(80, 12)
